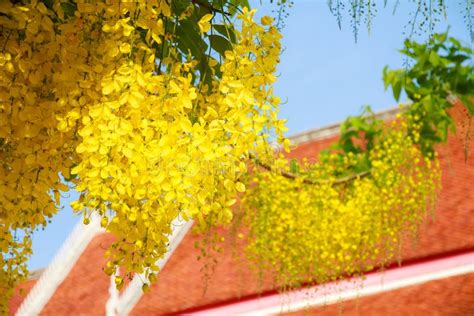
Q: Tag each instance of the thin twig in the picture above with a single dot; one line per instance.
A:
(209, 7)
(293, 176)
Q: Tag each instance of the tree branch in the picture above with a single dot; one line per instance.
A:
(209, 7)
(293, 176)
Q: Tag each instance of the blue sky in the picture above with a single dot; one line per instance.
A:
(324, 76)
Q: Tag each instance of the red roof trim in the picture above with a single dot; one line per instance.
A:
(392, 267)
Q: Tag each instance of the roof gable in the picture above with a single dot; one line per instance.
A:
(182, 285)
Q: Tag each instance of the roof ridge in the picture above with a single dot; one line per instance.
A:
(333, 129)
(35, 274)
(124, 304)
(52, 276)
(375, 282)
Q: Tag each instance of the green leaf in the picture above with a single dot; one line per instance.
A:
(205, 71)
(225, 30)
(467, 101)
(69, 8)
(396, 89)
(434, 58)
(219, 44)
(357, 123)
(234, 5)
(387, 77)
(48, 3)
(294, 166)
(441, 37)
(455, 42)
(189, 38)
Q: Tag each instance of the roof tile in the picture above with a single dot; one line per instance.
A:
(183, 283)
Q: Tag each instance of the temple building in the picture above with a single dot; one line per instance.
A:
(435, 277)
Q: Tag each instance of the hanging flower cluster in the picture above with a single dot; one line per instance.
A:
(152, 109)
(348, 213)
(316, 228)
(144, 139)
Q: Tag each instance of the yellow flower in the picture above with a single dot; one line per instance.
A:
(204, 25)
(149, 146)
(266, 20)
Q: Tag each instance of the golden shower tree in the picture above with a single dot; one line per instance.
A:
(153, 110)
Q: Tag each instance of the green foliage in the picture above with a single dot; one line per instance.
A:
(442, 71)
(358, 136)
(183, 35)
(305, 233)
(346, 213)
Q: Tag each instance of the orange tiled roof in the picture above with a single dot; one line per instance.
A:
(450, 296)
(85, 289)
(20, 293)
(183, 286)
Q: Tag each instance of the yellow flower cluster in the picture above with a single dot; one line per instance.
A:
(82, 96)
(318, 232)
